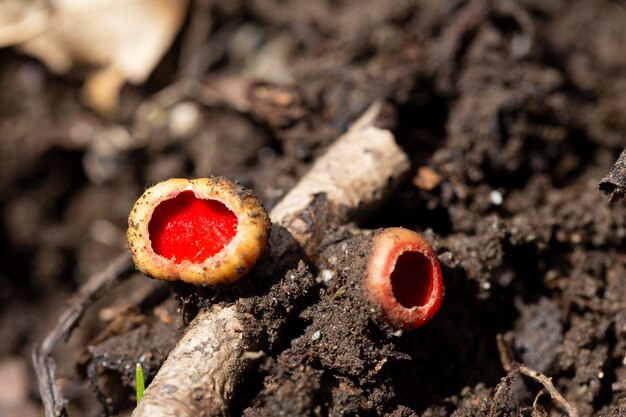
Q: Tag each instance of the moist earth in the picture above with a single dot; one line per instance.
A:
(512, 112)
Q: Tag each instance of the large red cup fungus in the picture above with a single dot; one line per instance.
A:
(403, 277)
(207, 231)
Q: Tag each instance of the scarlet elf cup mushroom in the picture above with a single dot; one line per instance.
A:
(205, 231)
(403, 277)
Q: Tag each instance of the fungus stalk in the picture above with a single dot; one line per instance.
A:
(202, 371)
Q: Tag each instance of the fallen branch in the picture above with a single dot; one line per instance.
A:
(202, 372)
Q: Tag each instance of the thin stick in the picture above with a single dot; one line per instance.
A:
(511, 366)
(44, 364)
(505, 353)
(547, 384)
(206, 366)
(193, 54)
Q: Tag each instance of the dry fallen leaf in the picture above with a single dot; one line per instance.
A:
(123, 39)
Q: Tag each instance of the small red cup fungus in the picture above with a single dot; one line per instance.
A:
(206, 231)
(403, 277)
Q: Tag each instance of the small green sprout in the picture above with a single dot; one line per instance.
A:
(341, 291)
(139, 382)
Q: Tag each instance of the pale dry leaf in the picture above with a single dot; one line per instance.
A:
(124, 39)
(21, 20)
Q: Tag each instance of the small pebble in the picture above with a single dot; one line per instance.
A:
(316, 335)
(496, 197)
(530, 238)
(184, 119)
(327, 276)
(446, 257)
(426, 179)
(576, 238)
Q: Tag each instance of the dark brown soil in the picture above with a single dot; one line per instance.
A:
(511, 111)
